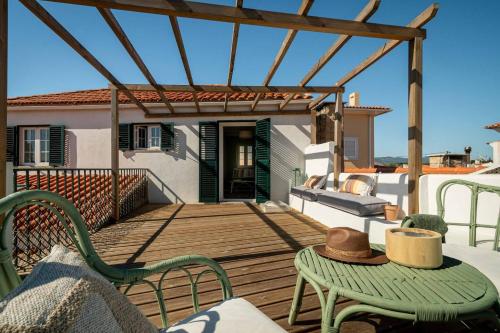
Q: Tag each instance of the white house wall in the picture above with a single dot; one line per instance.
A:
(175, 175)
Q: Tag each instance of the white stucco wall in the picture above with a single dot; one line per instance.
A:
(175, 174)
(495, 146)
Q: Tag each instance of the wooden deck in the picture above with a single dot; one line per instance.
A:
(256, 249)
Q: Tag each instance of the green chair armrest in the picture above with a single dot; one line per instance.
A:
(133, 276)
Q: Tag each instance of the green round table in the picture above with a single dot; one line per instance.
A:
(454, 291)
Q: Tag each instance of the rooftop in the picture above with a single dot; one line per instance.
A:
(426, 170)
(446, 153)
(493, 126)
(103, 96)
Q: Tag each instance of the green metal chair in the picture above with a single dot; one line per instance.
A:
(74, 226)
(435, 222)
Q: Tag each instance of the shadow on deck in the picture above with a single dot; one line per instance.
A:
(256, 249)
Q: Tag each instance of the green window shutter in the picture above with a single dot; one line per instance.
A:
(209, 175)
(13, 145)
(56, 143)
(263, 160)
(125, 137)
(167, 136)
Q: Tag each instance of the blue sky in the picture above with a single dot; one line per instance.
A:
(461, 61)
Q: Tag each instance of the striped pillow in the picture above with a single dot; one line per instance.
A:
(312, 181)
(358, 184)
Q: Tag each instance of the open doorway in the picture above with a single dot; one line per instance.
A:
(238, 162)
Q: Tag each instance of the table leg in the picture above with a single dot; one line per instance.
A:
(297, 298)
(327, 319)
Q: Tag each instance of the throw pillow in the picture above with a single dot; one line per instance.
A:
(321, 183)
(312, 181)
(62, 294)
(358, 184)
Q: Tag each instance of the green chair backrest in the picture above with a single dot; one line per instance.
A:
(70, 219)
(473, 224)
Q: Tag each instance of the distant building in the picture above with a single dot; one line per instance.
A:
(447, 159)
(495, 145)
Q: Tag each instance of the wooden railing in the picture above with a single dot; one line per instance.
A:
(36, 229)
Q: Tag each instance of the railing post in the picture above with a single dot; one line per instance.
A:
(115, 154)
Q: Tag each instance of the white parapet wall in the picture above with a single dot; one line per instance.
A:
(458, 205)
(318, 159)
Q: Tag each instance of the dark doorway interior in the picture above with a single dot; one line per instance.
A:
(239, 162)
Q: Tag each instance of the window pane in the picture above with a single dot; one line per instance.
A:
(29, 146)
(242, 149)
(155, 137)
(141, 138)
(350, 148)
(242, 158)
(44, 145)
(249, 156)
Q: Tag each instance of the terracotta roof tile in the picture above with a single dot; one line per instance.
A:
(425, 169)
(493, 126)
(103, 96)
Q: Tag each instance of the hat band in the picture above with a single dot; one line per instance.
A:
(352, 254)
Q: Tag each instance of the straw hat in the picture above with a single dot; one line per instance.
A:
(351, 246)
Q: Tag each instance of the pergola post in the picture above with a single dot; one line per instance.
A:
(3, 96)
(115, 164)
(338, 153)
(414, 123)
(314, 126)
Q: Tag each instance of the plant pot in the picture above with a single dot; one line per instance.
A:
(391, 212)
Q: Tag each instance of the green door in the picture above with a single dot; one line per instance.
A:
(209, 154)
(263, 160)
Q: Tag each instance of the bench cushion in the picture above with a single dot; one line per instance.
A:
(305, 193)
(351, 203)
(234, 315)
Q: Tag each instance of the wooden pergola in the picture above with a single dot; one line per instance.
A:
(413, 33)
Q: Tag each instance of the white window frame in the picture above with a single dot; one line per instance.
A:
(37, 147)
(149, 138)
(356, 148)
(246, 154)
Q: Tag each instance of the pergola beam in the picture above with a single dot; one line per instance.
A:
(65, 35)
(182, 51)
(226, 114)
(363, 16)
(287, 42)
(418, 22)
(127, 44)
(206, 11)
(232, 56)
(236, 89)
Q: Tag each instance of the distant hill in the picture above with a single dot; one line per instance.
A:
(397, 160)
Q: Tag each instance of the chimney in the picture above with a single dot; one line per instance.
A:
(354, 99)
(467, 151)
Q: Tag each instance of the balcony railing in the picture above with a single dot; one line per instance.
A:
(36, 229)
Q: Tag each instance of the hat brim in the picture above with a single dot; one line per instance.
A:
(377, 257)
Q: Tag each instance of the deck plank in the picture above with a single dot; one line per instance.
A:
(257, 250)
